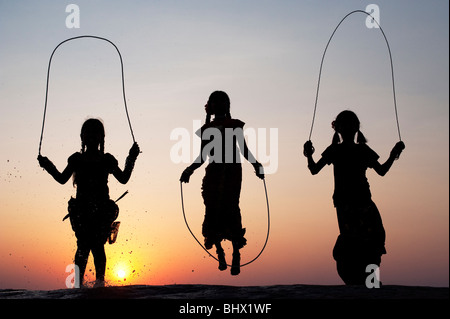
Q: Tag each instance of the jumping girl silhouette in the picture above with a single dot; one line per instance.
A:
(361, 241)
(221, 185)
(92, 212)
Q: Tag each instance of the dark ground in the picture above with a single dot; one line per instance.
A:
(212, 301)
(232, 292)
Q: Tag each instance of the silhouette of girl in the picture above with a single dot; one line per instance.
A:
(361, 241)
(92, 212)
(221, 185)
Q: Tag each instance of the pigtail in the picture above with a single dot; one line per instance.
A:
(208, 118)
(102, 146)
(361, 139)
(74, 175)
(336, 138)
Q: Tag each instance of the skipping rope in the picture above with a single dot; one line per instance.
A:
(48, 78)
(268, 226)
(392, 70)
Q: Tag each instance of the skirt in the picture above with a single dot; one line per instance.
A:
(221, 189)
(91, 220)
(361, 241)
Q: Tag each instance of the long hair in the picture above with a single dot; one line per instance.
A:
(221, 103)
(93, 127)
(347, 120)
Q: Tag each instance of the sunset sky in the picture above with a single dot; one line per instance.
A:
(266, 56)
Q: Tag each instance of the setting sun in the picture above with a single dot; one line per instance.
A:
(121, 273)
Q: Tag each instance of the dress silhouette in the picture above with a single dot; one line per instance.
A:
(92, 212)
(222, 141)
(361, 240)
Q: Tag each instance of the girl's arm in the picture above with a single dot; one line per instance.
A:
(196, 164)
(382, 169)
(314, 167)
(61, 178)
(124, 176)
(259, 169)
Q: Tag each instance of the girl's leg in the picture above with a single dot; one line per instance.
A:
(80, 259)
(98, 251)
(236, 263)
(352, 271)
(221, 256)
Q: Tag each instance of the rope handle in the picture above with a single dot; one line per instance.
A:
(48, 78)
